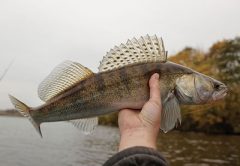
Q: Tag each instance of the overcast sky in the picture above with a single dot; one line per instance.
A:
(41, 34)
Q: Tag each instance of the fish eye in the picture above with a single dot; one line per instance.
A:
(216, 86)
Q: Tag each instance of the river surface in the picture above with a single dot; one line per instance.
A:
(64, 145)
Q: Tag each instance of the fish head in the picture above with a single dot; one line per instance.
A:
(196, 88)
(209, 89)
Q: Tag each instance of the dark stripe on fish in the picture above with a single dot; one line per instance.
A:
(99, 83)
(144, 69)
(124, 78)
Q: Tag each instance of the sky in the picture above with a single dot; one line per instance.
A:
(38, 35)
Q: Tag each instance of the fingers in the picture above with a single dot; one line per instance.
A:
(155, 89)
(151, 111)
(141, 129)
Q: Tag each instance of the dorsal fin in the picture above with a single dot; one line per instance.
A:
(135, 51)
(62, 77)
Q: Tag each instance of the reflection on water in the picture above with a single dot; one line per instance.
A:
(63, 145)
(200, 149)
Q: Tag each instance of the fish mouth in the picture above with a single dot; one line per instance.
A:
(221, 94)
(224, 90)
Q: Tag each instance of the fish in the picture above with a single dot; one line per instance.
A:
(75, 94)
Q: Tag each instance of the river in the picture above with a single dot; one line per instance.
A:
(64, 145)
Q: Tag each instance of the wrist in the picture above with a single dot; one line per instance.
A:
(138, 137)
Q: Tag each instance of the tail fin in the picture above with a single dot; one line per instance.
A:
(24, 110)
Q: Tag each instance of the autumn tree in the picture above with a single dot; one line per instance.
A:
(227, 61)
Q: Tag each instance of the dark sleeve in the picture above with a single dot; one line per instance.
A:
(137, 156)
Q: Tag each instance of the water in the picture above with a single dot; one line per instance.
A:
(63, 145)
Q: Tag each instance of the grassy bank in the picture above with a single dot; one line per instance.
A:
(9, 113)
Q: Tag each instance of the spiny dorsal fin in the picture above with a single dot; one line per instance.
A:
(135, 51)
(62, 77)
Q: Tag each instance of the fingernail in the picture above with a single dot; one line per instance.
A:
(156, 76)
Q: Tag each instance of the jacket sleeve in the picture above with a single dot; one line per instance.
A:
(137, 156)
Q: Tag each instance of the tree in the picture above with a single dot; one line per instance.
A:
(226, 54)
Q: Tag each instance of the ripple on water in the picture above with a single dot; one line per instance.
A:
(63, 145)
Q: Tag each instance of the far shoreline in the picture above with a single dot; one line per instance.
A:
(14, 113)
(10, 113)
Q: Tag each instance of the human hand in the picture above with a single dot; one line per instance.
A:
(141, 128)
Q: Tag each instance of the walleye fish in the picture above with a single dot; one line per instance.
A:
(74, 93)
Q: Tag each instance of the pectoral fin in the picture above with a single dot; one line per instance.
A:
(85, 125)
(171, 114)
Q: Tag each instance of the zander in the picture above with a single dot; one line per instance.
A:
(74, 93)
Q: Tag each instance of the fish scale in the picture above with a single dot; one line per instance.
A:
(128, 84)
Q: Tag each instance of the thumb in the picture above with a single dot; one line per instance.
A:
(151, 111)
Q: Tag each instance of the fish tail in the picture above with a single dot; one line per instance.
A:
(24, 110)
